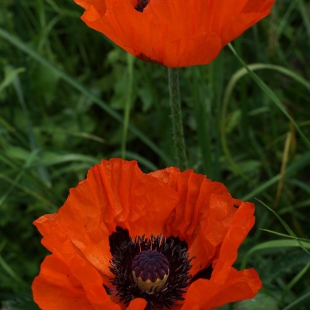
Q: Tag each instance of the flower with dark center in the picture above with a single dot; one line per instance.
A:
(174, 33)
(156, 269)
(129, 240)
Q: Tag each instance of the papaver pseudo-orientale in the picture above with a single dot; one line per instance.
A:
(174, 33)
(129, 240)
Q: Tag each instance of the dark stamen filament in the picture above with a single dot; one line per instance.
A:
(141, 5)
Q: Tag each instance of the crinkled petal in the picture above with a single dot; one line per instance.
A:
(56, 288)
(208, 294)
(194, 192)
(202, 216)
(55, 238)
(98, 4)
(234, 28)
(91, 281)
(115, 193)
(214, 225)
(174, 33)
(239, 227)
(226, 284)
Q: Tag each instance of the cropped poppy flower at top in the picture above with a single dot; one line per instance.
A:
(174, 33)
(129, 240)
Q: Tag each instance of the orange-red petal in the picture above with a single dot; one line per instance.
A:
(239, 226)
(208, 294)
(202, 216)
(57, 288)
(174, 33)
(137, 304)
(226, 284)
(115, 193)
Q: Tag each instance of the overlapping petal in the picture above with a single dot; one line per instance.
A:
(174, 33)
(70, 284)
(117, 194)
(208, 294)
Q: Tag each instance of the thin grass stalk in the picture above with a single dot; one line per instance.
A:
(77, 86)
(176, 118)
(283, 167)
(216, 86)
(203, 124)
(130, 61)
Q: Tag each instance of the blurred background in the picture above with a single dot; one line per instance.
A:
(64, 91)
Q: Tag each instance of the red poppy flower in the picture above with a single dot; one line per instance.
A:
(163, 240)
(173, 33)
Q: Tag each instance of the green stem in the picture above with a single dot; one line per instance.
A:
(176, 116)
(130, 61)
(203, 120)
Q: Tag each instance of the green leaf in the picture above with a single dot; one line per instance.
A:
(19, 304)
(303, 299)
(260, 302)
(272, 96)
(10, 77)
(274, 245)
(73, 83)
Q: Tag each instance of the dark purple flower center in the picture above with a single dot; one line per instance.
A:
(150, 265)
(155, 268)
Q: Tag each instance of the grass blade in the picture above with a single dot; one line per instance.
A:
(33, 54)
(272, 96)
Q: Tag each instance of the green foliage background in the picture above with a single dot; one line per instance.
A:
(64, 89)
